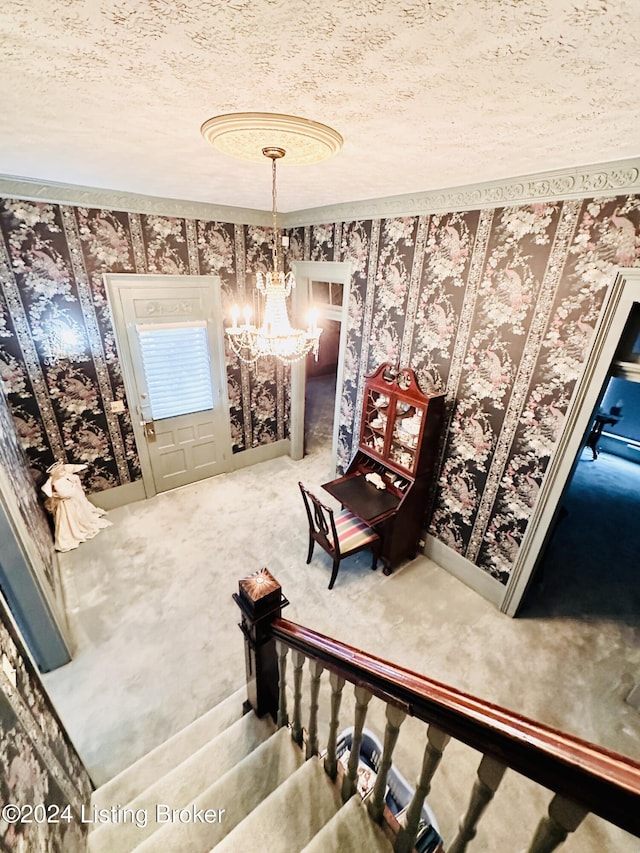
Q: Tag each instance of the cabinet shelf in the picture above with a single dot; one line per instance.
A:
(404, 445)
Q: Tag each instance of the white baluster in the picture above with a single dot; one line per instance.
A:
(331, 761)
(564, 817)
(395, 718)
(296, 727)
(349, 783)
(436, 742)
(490, 773)
(315, 671)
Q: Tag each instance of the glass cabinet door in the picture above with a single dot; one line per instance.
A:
(405, 437)
(375, 423)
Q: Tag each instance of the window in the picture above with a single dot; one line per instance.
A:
(326, 292)
(175, 358)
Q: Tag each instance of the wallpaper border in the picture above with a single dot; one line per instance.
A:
(604, 179)
(32, 189)
(592, 181)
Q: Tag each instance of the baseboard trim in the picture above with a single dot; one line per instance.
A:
(119, 495)
(464, 570)
(131, 492)
(260, 454)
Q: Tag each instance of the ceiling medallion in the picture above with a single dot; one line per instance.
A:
(245, 135)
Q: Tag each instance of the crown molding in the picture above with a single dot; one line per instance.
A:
(34, 190)
(603, 179)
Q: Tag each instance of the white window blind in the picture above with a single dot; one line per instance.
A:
(175, 358)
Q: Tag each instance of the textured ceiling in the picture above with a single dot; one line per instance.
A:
(427, 94)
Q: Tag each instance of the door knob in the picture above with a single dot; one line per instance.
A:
(149, 430)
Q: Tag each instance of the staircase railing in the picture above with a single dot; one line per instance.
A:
(582, 776)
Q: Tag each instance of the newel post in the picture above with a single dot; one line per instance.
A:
(260, 600)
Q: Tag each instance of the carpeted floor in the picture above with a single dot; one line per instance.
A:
(590, 568)
(158, 643)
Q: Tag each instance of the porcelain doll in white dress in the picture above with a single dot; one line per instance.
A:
(76, 519)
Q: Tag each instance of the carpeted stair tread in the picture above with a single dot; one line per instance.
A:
(287, 820)
(144, 772)
(351, 830)
(239, 791)
(179, 787)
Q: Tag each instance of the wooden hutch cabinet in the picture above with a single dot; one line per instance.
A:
(388, 480)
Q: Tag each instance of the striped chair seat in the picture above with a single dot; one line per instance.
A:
(352, 532)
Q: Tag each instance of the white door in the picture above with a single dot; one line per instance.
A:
(169, 332)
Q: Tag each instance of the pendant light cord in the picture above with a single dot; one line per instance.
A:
(275, 214)
(274, 153)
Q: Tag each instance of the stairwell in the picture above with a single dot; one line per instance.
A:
(236, 781)
(229, 782)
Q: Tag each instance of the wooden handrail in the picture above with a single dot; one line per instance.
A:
(604, 782)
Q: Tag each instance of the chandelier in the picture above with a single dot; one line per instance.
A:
(275, 336)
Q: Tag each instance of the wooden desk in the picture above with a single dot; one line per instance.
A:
(394, 514)
(363, 499)
(398, 442)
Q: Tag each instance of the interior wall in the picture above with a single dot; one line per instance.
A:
(29, 574)
(497, 307)
(52, 260)
(38, 763)
(25, 508)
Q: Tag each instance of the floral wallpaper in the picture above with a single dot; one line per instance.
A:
(38, 764)
(52, 260)
(19, 502)
(19, 495)
(497, 308)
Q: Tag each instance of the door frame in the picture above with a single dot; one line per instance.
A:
(623, 292)
(115, 284)
(336, 272)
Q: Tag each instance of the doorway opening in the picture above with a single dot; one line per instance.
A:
(589, 566)
(316, 387)
(320, 389)
(584, 500)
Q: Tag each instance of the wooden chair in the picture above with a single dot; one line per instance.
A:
(340, 535)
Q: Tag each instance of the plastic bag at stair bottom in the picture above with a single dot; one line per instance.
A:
(76, 519)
